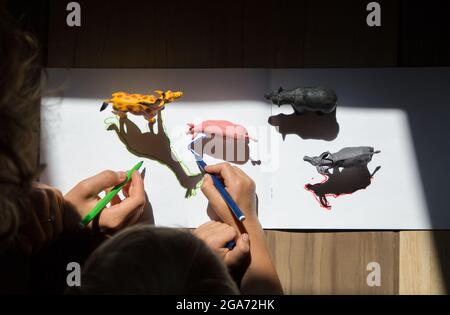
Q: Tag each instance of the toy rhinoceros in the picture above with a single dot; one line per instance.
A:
(315, 99)
(346, 157)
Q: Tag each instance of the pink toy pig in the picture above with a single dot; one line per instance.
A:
(222, 128)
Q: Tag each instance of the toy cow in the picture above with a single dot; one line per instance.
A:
(140, 104)
(316, 99)
(346, 157)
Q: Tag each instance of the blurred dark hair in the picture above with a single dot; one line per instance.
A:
(19, 120)
(144, 259)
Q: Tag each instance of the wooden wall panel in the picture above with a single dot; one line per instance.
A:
(337, 34)
(424, 33)
(156, 34)
(289, 34)
(207, 34)
(203, 33)
(61, 39)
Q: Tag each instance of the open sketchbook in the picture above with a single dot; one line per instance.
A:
(401, 112)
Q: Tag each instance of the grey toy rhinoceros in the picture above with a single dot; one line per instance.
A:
(346, 157)
(315, 99)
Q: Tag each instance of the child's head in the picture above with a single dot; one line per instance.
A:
(153, 260)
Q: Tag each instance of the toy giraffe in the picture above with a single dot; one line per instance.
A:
(140, 104)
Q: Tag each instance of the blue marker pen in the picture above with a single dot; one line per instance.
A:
(219, 186)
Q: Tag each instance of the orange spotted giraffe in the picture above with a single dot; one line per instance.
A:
(140, 104)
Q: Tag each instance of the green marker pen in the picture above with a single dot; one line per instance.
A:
(107, 199)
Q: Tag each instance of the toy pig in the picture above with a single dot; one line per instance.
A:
(222, 128)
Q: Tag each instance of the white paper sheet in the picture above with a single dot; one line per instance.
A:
(402, 112)
(76, 144)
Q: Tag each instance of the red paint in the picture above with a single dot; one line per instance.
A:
(326, 195)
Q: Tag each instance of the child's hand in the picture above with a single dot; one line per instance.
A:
(43, 220)
(216, 235)
(84, 196)
(239, 186)
(260, 277)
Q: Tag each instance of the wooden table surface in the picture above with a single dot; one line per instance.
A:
(269, 33)
(412, 262)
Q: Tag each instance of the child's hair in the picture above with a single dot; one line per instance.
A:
(19, 120)
(145, 259)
